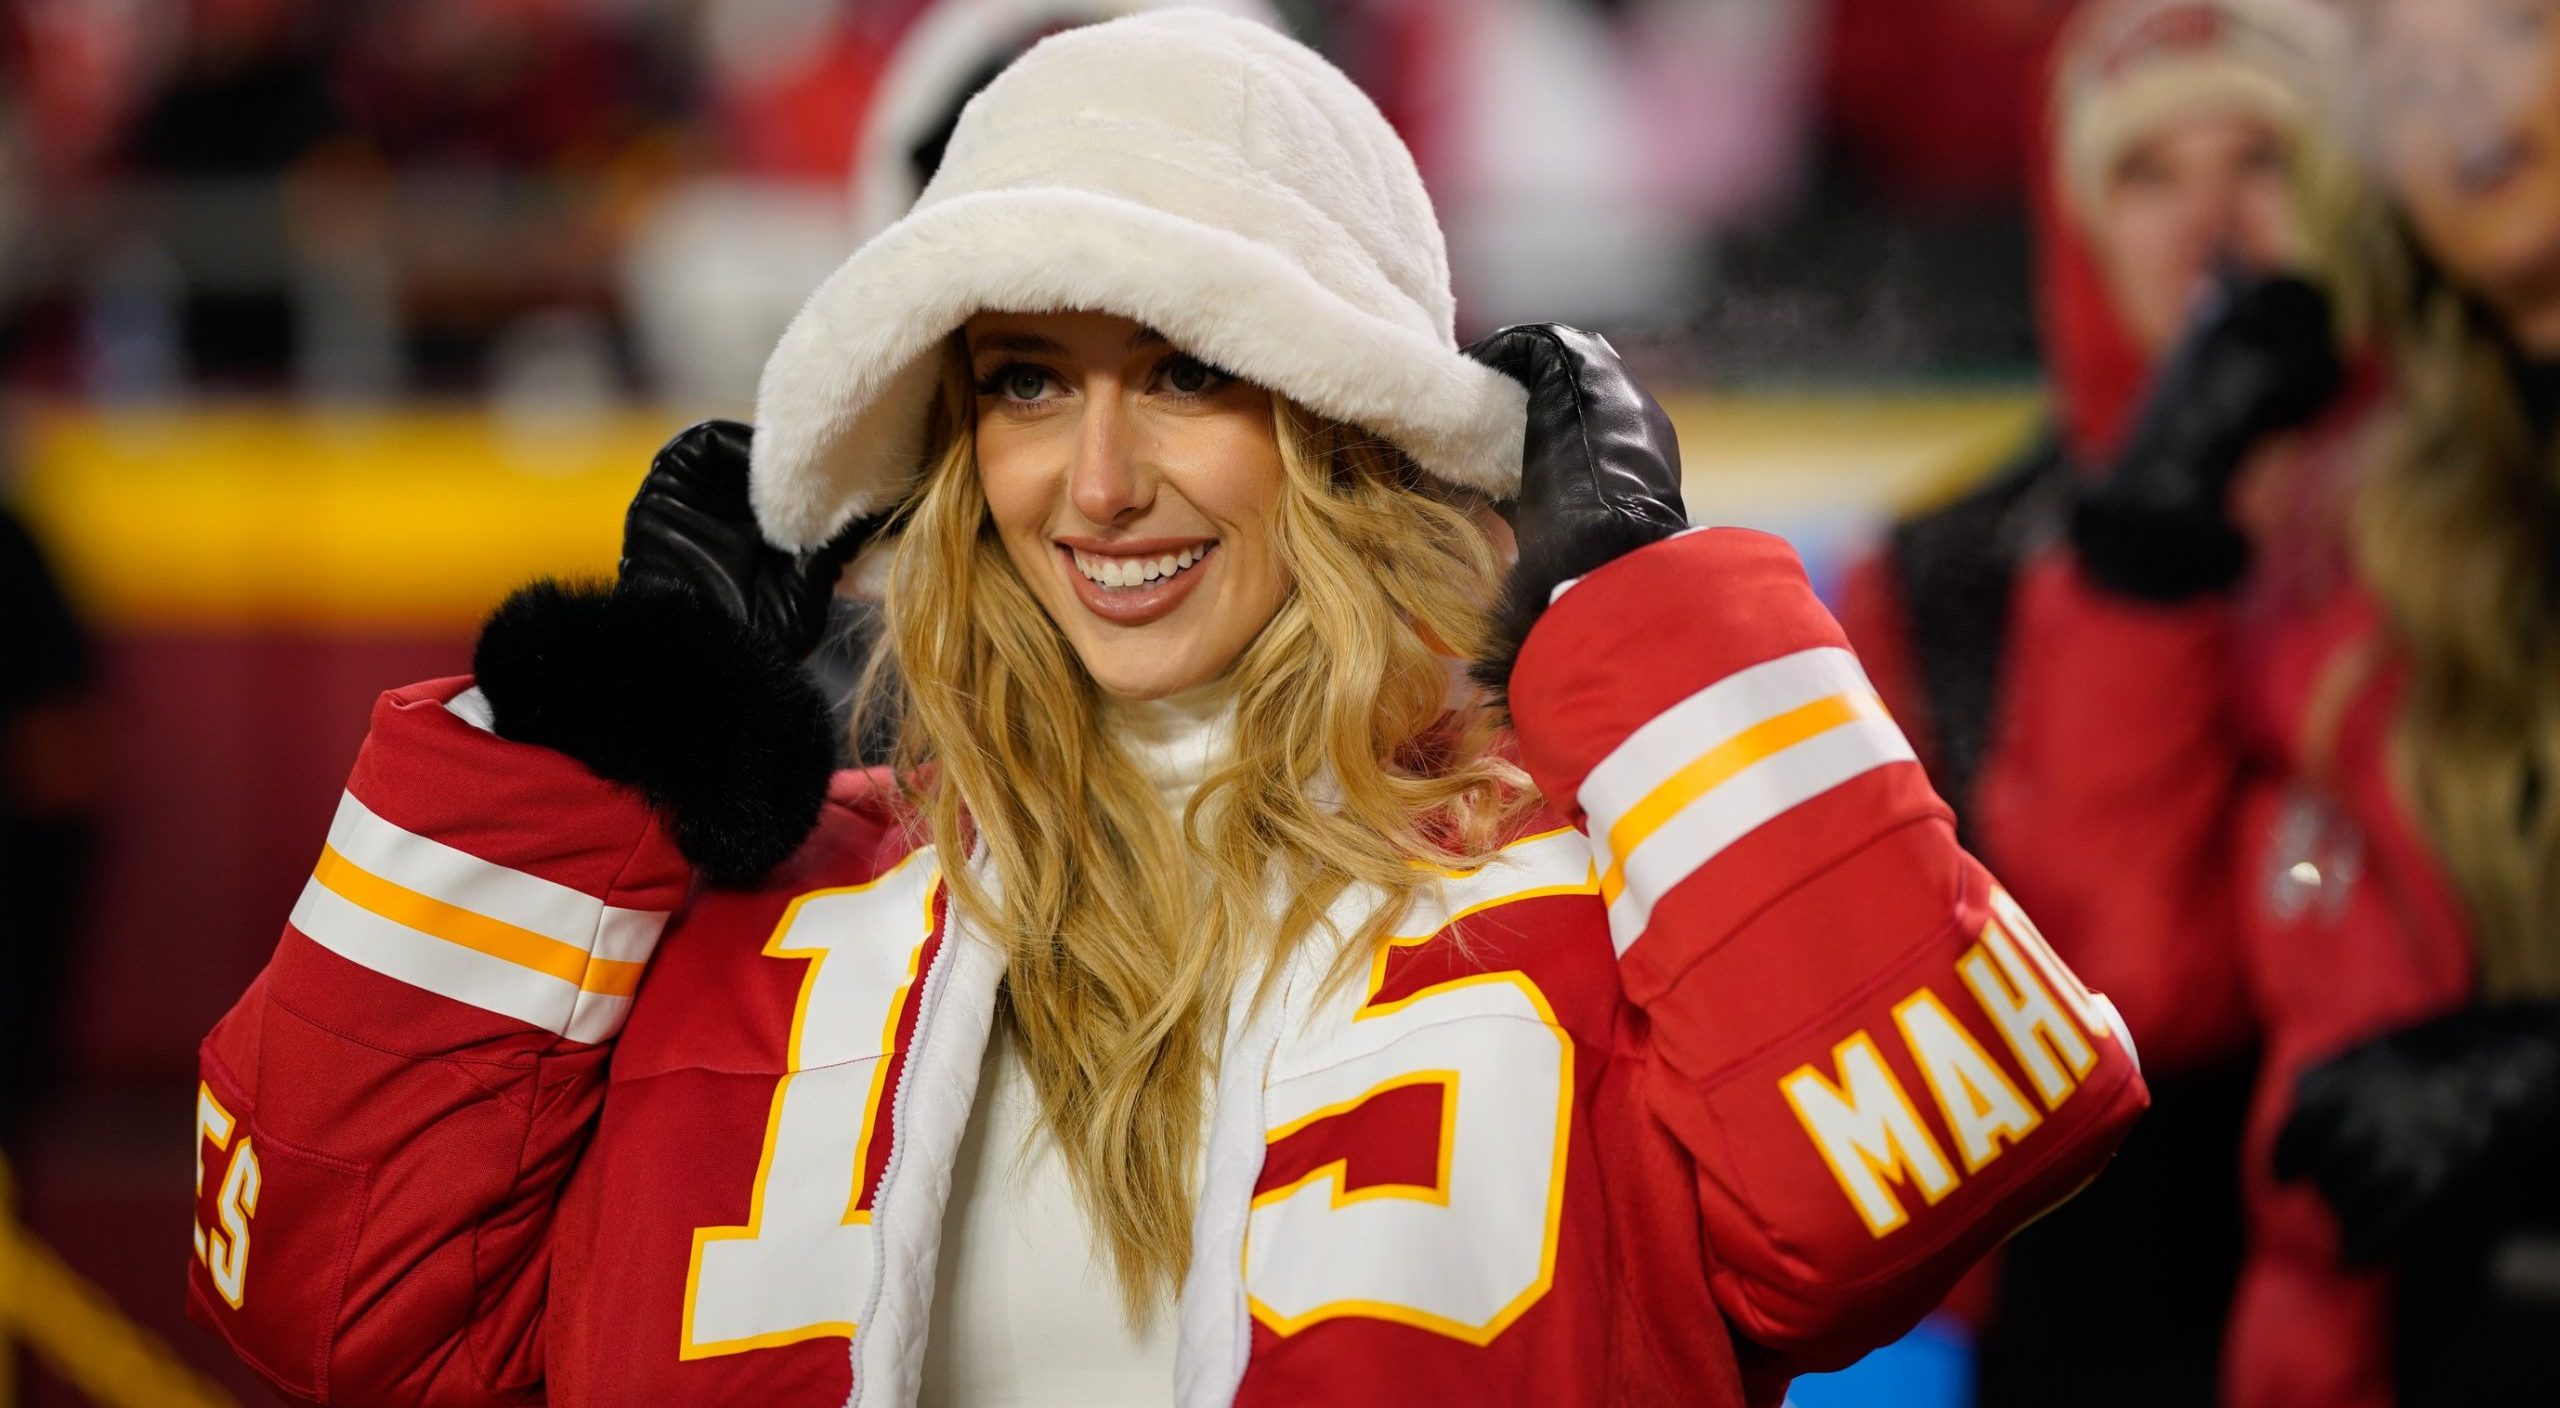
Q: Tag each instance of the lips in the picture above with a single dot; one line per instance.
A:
(1131, 584)
(2483, 167)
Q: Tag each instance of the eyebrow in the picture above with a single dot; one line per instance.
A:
(1030, 342)
(1034, 344)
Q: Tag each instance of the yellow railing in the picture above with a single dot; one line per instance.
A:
(71, 1325)
(421, 519)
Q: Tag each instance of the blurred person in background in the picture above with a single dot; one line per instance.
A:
(48, 807)
(2289, 688)
(249, 96)
(2174, 132)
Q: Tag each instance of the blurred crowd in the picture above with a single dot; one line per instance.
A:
(2243, 672)
(599, 198)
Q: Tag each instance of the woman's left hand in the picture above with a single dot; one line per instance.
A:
(691, 527)
(2419, 1124)
(1599, 471)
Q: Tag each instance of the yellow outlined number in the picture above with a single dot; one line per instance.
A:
(799, 1268)
(1469, 1255)
(225, 1253)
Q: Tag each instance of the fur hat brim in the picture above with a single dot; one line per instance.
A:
(842, 409)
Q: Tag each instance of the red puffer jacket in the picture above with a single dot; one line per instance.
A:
(2220, 771)
(1722, 1072)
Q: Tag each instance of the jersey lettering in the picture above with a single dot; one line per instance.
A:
(1863, 1122)
(225, 1253)
(1866, 1129)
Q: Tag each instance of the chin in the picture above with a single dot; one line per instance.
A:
(1142, 679)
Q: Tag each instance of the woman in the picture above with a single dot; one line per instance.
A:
(2180, 133)
(2303, 690)
(1204, 996)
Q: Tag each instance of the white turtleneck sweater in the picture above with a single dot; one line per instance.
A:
(1026, 1311)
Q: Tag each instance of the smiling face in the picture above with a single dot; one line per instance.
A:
(1133, 486)
(2198, 189)
(2464, 102)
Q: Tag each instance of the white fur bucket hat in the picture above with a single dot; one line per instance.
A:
(1200, 173)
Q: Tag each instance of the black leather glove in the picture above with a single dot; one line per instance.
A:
(2428, 1122)
(691, 525)
(683, 678)
(2259, 358)
(1599, 473)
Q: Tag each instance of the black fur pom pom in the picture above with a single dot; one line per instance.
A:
(658, 688)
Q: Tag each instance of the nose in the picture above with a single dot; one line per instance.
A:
(1108, 484)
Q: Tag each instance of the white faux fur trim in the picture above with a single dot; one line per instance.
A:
(948, 45)
(1194, 171)
(841, 413)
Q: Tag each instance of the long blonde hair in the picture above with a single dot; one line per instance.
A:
(1126, 930)
(2454, 527)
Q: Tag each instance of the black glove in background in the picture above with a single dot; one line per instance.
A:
(2259, 358)
(2434, 1121)
(683, 678)
(1599, 473)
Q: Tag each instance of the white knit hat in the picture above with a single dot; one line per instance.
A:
(1200, 173)
(2129, 65)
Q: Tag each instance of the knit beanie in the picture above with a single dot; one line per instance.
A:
(2126, 66)
(1193, 171)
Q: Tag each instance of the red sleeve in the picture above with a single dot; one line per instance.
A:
(2110, 796)
(1872, 616)
(388, 1115)
(1876, 1067)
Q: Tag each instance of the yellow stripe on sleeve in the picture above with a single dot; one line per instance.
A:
(1718, 765)
(477, 932)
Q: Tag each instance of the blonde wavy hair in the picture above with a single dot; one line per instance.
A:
(2454, 527)
(1126, 930)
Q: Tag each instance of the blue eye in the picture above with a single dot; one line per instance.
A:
(1185, 375)
(1016, 381)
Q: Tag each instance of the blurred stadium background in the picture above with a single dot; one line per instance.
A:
(324, 322)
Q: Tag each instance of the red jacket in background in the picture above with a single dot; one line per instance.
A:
(1720, 1073)
(2223, 768)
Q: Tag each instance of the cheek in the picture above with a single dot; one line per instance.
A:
(1227, 466)
(2452, 228)
(2134, 245)
(2267, 234)
(1018, 490)
(2414, 166)
(2521, 78)
(2148, 268)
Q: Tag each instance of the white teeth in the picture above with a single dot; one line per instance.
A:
(1127, 572)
